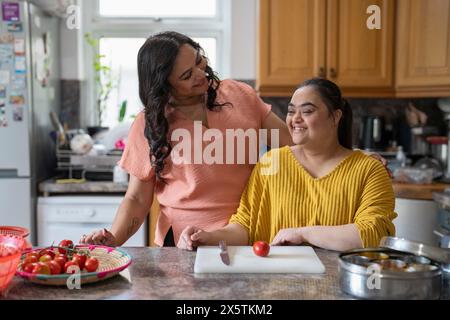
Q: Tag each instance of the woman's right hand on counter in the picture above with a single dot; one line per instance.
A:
(100, 237)
(192, 237)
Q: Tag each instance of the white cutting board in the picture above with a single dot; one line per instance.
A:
(281, 259)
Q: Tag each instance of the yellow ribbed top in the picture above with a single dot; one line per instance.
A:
(282, 194)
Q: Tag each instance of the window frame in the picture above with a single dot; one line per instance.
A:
(218, 27)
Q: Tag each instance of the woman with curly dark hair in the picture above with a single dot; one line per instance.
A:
(179, 91)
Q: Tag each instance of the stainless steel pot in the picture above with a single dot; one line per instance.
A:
(368, 279)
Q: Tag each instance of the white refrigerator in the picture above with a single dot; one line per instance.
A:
(29, 90)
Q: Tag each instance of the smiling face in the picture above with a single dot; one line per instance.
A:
(188, 77)
(308, 119)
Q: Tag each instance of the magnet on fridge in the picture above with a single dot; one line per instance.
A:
(19, 46)
(18, 113)
(14, 26)
(4, 77)
(16, 99)
(20, 65)
(2, 92)
(11, 11)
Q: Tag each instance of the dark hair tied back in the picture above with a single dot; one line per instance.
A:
(332, 97)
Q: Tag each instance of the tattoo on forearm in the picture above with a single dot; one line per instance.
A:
(133, 224)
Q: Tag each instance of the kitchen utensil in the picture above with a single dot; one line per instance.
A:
(224, 252)
(111, 262)
(374, 133)
(59, 128)
(419, 249)
(439, 149)
(393, 278)
(281, 259)
(8, 264)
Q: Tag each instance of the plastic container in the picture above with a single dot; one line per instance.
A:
(413, 175)
(18, 232)
(8, 264)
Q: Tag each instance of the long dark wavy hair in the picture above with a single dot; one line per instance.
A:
(155, 62)
(331, 95)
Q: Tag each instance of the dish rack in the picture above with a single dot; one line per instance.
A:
(74, 165)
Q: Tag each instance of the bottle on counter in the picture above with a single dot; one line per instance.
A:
(401, 156)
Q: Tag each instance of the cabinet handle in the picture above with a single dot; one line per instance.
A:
(321, 72)
(333, 73)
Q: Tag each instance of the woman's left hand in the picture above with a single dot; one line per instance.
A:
(288, 237)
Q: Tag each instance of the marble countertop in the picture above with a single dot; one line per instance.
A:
(168, 273)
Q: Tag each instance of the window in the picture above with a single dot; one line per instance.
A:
(123, 26)
(121, 54)
(157, 8)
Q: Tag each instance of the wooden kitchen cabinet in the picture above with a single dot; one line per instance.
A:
(423, 48)
(408, 57)
(303, 39)
(360, 59)
(291, 44)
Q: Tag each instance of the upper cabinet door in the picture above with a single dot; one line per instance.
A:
(291, 44)
(357, 56)
(423, 43)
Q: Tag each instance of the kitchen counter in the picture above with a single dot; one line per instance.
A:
(417, 191)
(168, 273)
(51, 187)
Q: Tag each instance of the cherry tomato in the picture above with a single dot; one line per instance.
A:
(29, 267)
(65, 243)
(68, 264)
(80, 258)
(41, 268)
(261, 248)
(45, 258)
(61, 259)
(32, 254)
(30, 259)
(49, 252)
(54, 266)
(91, 265)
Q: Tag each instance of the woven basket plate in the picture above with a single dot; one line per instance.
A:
(111, 262)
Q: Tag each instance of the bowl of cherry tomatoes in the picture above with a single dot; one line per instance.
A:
(56, 265)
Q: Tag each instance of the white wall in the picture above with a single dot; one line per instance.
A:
(243, 39)
(243, 44)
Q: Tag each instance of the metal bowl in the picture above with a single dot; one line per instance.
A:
(388, 281)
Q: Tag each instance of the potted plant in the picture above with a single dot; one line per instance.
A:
(105, 82)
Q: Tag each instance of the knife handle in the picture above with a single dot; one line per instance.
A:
(222, 245)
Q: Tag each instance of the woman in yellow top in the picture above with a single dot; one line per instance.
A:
(318, 191)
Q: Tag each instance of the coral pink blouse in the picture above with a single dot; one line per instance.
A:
(201, 193)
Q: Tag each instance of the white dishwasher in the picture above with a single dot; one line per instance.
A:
(69, 217)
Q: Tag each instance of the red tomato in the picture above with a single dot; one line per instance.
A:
(66, 244)
(61, 259)
(261, 248)
(45, 258)
(32, 254)
(28, 267)
(30, 259)
(54, 266)
(44, 252)
(91, 265)
(80, 258)
(41, 268)
(68, 264)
